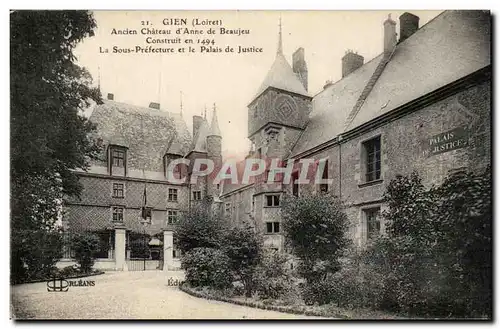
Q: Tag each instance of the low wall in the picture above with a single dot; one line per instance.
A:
(109, 264)
(176, 264)
(100, 264)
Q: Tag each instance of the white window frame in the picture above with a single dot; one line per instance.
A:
(176, 194)
(113, 208)
(170, 214)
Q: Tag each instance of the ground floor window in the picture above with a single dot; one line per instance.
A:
(372, 222)
(106, 244)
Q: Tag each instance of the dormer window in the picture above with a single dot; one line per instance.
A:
(118, 157)
(117, 160)
(177, 170)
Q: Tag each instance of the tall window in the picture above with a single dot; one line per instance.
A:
(118, 157)
(118, 189)
(172, 194)
(273, 200)
(272, 227)
(323, 187)
(172, 216)
(372, 217)
(227, 209)
(295, 185)
(196, 195)
(117, 214)
(372, 156)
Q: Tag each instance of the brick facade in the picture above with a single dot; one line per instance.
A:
(440, 99)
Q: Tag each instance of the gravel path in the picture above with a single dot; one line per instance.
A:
(127, 295)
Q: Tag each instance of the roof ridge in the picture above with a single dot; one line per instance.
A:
(369, 87)
(145, 108)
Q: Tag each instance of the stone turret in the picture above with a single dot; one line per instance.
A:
(214, 149)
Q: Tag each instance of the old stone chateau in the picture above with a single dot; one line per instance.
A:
(423, 105)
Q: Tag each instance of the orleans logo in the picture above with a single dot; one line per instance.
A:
(58, 285)
(62, 285)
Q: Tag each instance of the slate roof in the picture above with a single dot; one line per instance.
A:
(147, 133)
(453, 45)
(332, 106)
(449, 47)
(281, 76)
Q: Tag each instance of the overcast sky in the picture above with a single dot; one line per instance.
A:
(230, 80)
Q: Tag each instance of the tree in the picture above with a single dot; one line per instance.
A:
(244, 247)
(199, 228)
(315, 226)
(86, 246)
(49, 137)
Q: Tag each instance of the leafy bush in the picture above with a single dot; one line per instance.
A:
(86, 246)
(244, 247)
(315, 227)
(207, 267)
(69, 271)
(274, 278)
(435, 259)
(199, 228)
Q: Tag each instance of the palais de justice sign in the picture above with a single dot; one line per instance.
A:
(448, 141)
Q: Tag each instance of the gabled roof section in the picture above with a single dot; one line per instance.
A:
(200, 140)
(146, 132)
(451, 46)
(182, 140)
(281, 76)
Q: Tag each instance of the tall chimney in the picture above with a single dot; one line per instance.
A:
(300, 66)
(408, 24)
(154, 105)
(111, 96)
(351, 62)
(390, 36)
(197, 121)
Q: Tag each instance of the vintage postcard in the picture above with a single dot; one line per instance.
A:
(251, 165)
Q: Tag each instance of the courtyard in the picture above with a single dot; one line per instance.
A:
(127, 295)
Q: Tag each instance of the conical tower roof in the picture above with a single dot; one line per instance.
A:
(214, 126)
(281, 75)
